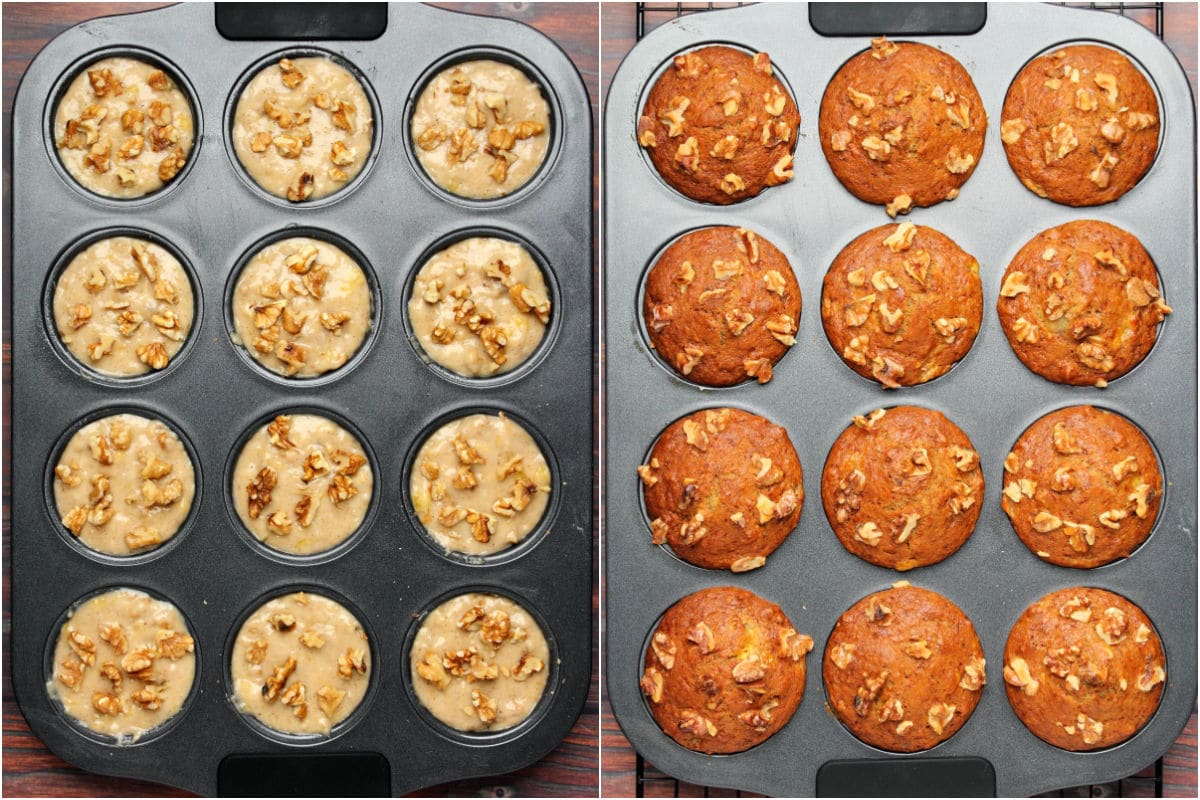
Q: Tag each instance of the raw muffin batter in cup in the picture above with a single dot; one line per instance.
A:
(124, 664)
(300, 664)
(123, 128)
(480, 307)
(479, 663)
(302, 484)
(123, 306)
(303, 128)
(480, 484)
(124, 484)
(481, 129)
(302, 307)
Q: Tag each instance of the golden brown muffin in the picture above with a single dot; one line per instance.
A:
(1080, 125)
(902, 304)
(902, 487)
(722, 305)
(719, 126)
(903, 125)
(723, 487)
(1080, 303)
(1082, 487)
(904, 669)
(724, 670)
(1084, 668)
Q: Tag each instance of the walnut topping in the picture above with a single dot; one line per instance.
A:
(140, 664)
(958, 163)
(747, 563)
(901, 204)
(173, 644)
(892, 710)
(876, 611)
(1011, 130)
(940, 716)
(664, 650)
(868, 693)
(1140, 497)
(1016, 673)
(877, 149)
(83, 647)
(1076, 608)
(839, 139)
(142, 537)
(1112, 626)
(917, 649)
(652, 685)
(731, 184)
(108, 704)
(881, 48)
(702, 636)
(748, 671)
(1151, 677)
(974, 675)
(859, 310)
(868, 533)
(352, 661)
(695, 724)
(283, 622)
(303, 188)
(153, 355)
(861, 100)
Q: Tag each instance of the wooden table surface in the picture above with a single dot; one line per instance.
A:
(619, 779)
(29, 768)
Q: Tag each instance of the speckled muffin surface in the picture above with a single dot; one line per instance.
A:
(902, 304)
(1084, 669)
(904, 669)
(719, 126)
(1080, 303)
(1080, 125)
(1082, 487)
(902, 124)
(724, 671)
(723, 487)
(902, 487)
(722, 305)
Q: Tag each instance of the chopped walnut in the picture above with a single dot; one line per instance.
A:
(258, 491)
(695, 724)
(664, 650)
(484, 706)
(1016, 673)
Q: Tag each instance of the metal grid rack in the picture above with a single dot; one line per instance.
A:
(649, 17)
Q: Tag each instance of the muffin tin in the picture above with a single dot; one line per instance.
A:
(990, 395)
(212, 397)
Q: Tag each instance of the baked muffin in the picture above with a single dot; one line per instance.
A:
(902, 487)
(303, 129)
(124, 484)
(1082, 487)
(719, 126)
(904, 669)
(908, 315)
(123, 306)
(903, 125)
(481, 129)
(124, 664)
(1080, 303)
(723, 487)
(1084, 669)
(1080, 125)
(123, 128)
(722, 305)
(724, 670)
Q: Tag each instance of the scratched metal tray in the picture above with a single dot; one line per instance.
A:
(391, 574)
(990, 394)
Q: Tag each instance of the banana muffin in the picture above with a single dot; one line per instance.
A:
(902, 125)
(123, 306)
(902, 304)
(902, 487)
(1080, 303)
(723, 487)
(1080, 125)
(722, 305)
(719, 126)
(904, 669)
(724, 670)
(123, 128)
(124, 664)
(1084, 669)
(481, 129)
(302, 129)
(300, 664)
(479, 663)
(1082, 487)
(124, 484)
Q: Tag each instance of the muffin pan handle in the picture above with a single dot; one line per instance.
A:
(309, 775)
(304, 21)
(897, 19)
(963, 776)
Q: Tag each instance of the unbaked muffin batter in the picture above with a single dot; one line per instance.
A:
(124, 484)
(123, 128)
(123, 306)
(302, 307)
(480, 307)
(300, 664)
(481, 129)
(124, 664)
(303, 128)
(302, 484)
(480, 484)
(479, 663)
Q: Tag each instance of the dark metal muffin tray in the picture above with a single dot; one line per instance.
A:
(990, 395)
(391, 573)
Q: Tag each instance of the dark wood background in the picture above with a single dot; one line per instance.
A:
(619, 778)
(29, 768)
